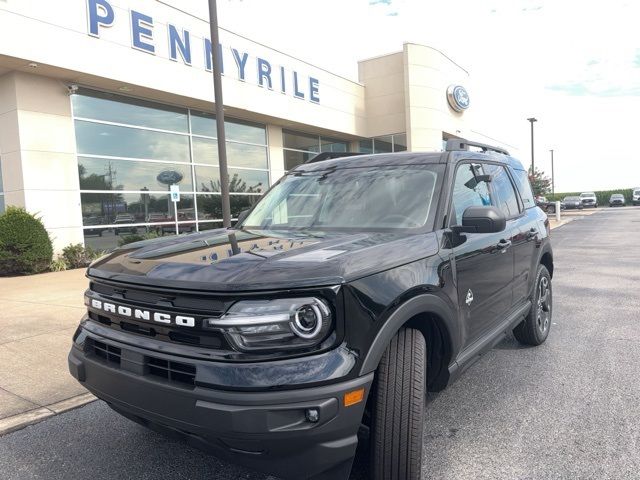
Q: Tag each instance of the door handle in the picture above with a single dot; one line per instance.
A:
(532, 234)
(503, 245)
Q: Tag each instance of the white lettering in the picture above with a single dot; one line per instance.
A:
(109, 307)
(126, 311)
(185, 321)
(162, 317)
(96, 303)
(142, 314)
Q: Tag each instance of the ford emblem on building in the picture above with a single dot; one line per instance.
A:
(458, 97)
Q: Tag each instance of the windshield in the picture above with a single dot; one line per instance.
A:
(381, 198)
(571, 199)
(587, 195)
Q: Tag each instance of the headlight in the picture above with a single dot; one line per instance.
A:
(283, 324)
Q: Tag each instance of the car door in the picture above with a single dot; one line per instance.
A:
(483, 261)
(530, 233)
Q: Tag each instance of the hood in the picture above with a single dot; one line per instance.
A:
(232, 260)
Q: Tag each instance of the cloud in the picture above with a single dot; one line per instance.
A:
(379, 2)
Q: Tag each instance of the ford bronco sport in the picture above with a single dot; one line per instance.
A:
(352, 288)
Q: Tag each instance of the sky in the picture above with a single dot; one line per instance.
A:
(574, 65)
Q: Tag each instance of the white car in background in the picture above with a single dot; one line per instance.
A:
(636, 196)
(589, 199)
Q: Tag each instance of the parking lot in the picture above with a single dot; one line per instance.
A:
(567, 409)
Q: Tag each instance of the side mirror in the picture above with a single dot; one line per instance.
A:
(482, 220)
(241, 216)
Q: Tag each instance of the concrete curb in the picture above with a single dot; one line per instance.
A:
(22, 420)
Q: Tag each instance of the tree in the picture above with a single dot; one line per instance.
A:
(540, 183)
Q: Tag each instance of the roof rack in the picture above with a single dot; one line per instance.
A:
(460, 144)
(331, 155)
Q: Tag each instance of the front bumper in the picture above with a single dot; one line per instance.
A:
(267, 430)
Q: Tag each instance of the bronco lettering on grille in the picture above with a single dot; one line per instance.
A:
(140, 314)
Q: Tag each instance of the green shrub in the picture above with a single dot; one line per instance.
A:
(137, 237)
(25, 246)
(58, 265)
(79, 256)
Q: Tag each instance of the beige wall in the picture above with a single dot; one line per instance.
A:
(383, 78)
(37, 145)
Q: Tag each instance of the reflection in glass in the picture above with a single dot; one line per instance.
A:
(383, 144)
(300, 141)
(209, 225)
(114, 141)
(366, 146)
(240, 181)
(400, 142)
(126, 208)
(333, 145)
(108, 174)
(210, 206)
(205, 150)
(120, 109)
(205, 124)
(293, 159)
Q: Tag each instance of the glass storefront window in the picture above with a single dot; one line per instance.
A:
(133, 208)
(116, 141)
(119, 109)
(300, 141)
(246, 132)
(333, 145)
(130, 151)
(210, 205)
(110, 174)
(293, 158)
(240, 181)
(205, 150)
(384, 144)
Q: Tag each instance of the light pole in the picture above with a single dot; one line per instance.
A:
(532, 120)
(553, 189)
(217, 89)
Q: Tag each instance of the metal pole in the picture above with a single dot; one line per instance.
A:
(532, 120)
(217, 88)
(553, 189)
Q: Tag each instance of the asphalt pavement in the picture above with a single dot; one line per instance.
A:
(569, 409)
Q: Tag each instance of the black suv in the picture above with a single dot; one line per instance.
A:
(352, 288)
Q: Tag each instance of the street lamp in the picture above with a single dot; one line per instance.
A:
(217, 89)
(532, 120)
(553, 190)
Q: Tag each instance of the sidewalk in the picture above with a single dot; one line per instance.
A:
(38, 315)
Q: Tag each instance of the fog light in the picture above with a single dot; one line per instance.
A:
(313, 415)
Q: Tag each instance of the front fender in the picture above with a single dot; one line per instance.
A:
(426, 303)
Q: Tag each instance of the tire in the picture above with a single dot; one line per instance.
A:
(398, 411)
(534, 329)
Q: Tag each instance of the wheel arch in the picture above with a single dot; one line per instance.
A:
(434, 319)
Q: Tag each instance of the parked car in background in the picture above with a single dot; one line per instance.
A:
(573, 203)
(616, 200)
(546, 205)
(93, 221)
(123, 222)
(636, 196)
(589, 199)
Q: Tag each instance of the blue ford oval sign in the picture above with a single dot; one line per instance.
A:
(458, 98)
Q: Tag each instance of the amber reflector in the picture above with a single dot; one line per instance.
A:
(354, 397)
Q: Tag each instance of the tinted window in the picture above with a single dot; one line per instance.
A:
(205, 124)
(205, 150)
(524, 187)
(504, 196)
(467, 192)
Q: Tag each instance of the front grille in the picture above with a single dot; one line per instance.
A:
(177, 303)
(177, 372)
(106, 352)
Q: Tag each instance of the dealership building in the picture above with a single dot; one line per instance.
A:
(105, 104)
